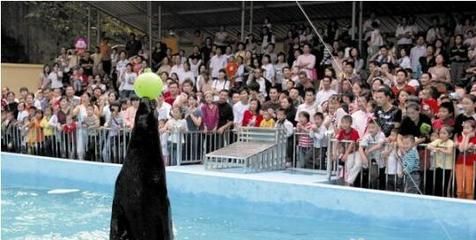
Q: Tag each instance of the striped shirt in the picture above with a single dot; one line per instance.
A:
(304, 139)
(411, 161)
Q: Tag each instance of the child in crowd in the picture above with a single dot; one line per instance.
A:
(22, 112)
(445, 115)
(115, 124)
(466, 143)
(283, 122)
(268, 121)
(393, 170)
(69, 137)
(370, 152)
(410, 158)
(346, 151)
(48, 132)
(442, 160)
(35, 135)
(316, 159)
(164, 135)
(176, 126)
(303, 128)
(91, 123)
(9, 131)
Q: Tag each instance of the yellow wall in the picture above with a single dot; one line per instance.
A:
(15, 76)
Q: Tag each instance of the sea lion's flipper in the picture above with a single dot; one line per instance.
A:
(119, 222)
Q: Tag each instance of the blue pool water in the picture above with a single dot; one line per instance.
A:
(217, 208)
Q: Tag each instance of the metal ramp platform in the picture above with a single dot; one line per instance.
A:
(257, 150)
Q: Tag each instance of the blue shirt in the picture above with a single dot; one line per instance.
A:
(411, 161)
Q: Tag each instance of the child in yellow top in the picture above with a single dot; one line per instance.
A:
(268, 121)
(442, 160)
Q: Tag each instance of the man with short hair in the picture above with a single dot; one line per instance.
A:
(259, 79)
(240, 107)
(73, 99)
(177, 68)
(401, 83)
(172, 93)
(387, 115)
(350, 74)
(309, 104)
(273, 101)
(133, 45)
(225, 118)
(304, 83)
(325, 92)
(217, 62)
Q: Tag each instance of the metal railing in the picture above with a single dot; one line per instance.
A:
(440, 175)
(108, 144)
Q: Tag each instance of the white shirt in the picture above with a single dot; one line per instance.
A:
(219, 85)
(324, 95)
(279, 71)
(195, 67)
(239, 73)
(178, 69)
(311, 109)
(239, 111)
(187, 75)
(22, 115)
(415, 53)
(287, 125)
(360, 121)
(402, 30)
(163, 112)
(370, 141)
(394, 166)
(129, 79)
(217, 63)
(319, 137)
(121, 65)
(55, 80)
(376, 39)
(269, 72)
(405, 62)
(262, 85)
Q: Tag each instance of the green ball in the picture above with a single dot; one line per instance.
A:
(425, 128)
(148, 84)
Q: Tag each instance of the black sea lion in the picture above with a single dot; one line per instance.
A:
(141, 208)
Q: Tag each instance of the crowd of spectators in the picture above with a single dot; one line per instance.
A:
(416, 87)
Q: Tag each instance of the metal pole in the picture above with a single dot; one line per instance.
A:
(251, 17)
(159, 19)
(89, 28)
(243, 5)
(149, 19)
(361, 10)
(98, 28)
(354, 4)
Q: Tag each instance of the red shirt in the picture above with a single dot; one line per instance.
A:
(351, 135)
(168, 98)
(69, 128)
(247, 119)
(407, 88)
(439, 123)
(433, 104)
(470, 156)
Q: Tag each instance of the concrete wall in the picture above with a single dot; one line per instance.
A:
(15, 76)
